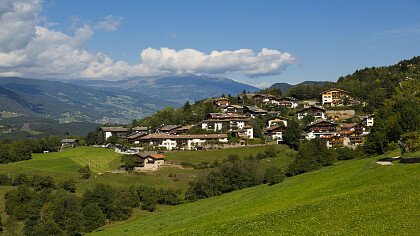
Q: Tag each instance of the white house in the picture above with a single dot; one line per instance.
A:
(148, 161)
(316, 112)
(120, 132)
(368, 120)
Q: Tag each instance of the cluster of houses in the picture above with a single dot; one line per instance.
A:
(235, 121)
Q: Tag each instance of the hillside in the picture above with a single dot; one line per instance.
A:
(352, 197)
(284, 87)
(69, 102)
(174, 88)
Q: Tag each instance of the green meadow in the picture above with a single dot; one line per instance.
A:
(64, 165)
(356, 197)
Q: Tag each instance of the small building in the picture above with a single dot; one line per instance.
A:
(316, 112)
(150, 161)
(234, 109)
(336, 97)
(275, 132)
(141, 129)
(119, 132)
(133, 138)
(166, 129)
(321, 128)
(69, 142)
(225, 121)
(221, 102)
(368, 120)
(288, 102)
(182, 141)
(277, 121)
(183, 129)
(254, 111)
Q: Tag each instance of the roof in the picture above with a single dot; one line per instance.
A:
(287, 99)
(346, 125)
(114, 129)
(152, 155)
(168, 127)
(312, 108)
(136, 135)
(184, 136)
(322, 121)
(156, 156)
(227, 119)
(335, 89)
(256, 109)
(68, 140)
(183, 128)
(272, 128)
(140, 128)
(236, 106)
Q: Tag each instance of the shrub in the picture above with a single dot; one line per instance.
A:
(5, 180)
(69, 185)
(128, 162)
(274, 175)
(312, 155)
(93, 217)
(85, 171)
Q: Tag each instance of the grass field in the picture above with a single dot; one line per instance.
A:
(356, 197)
(64, 165)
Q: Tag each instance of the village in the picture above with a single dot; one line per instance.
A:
(327, 118)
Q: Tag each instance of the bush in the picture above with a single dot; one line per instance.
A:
(271, 151)
(128, 162)
(312, 155)
(345, 153)
(5, 180)
(274, 175)
(93, 217)
(85, 171)
(20, 179)
(233, 174)
(69, 185)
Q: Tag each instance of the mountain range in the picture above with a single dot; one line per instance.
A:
(101, 101)
(178, 89)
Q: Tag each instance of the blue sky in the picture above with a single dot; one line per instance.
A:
(326, 39)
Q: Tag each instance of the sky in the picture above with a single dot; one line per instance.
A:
(255, 42)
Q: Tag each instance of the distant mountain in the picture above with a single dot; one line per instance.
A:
(173, 88)
(285, 86)
(69, 102)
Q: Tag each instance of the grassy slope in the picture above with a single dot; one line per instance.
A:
(64, 165)
(351, 197)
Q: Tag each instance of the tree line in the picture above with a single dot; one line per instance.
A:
(50, 208)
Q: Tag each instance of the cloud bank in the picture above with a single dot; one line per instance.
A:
(30, 50)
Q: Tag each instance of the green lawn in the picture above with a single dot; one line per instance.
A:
(356, 197)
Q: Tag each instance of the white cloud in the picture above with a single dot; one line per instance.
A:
(30, 50)
(109, 23)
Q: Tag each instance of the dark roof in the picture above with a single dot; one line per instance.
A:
(275, 127)
(256, 109)
(140, 128)
(167, 128)
(114, 129)
(136, 135)
(320, 122)
(184, 136)
(341, 90)
(312, 108)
